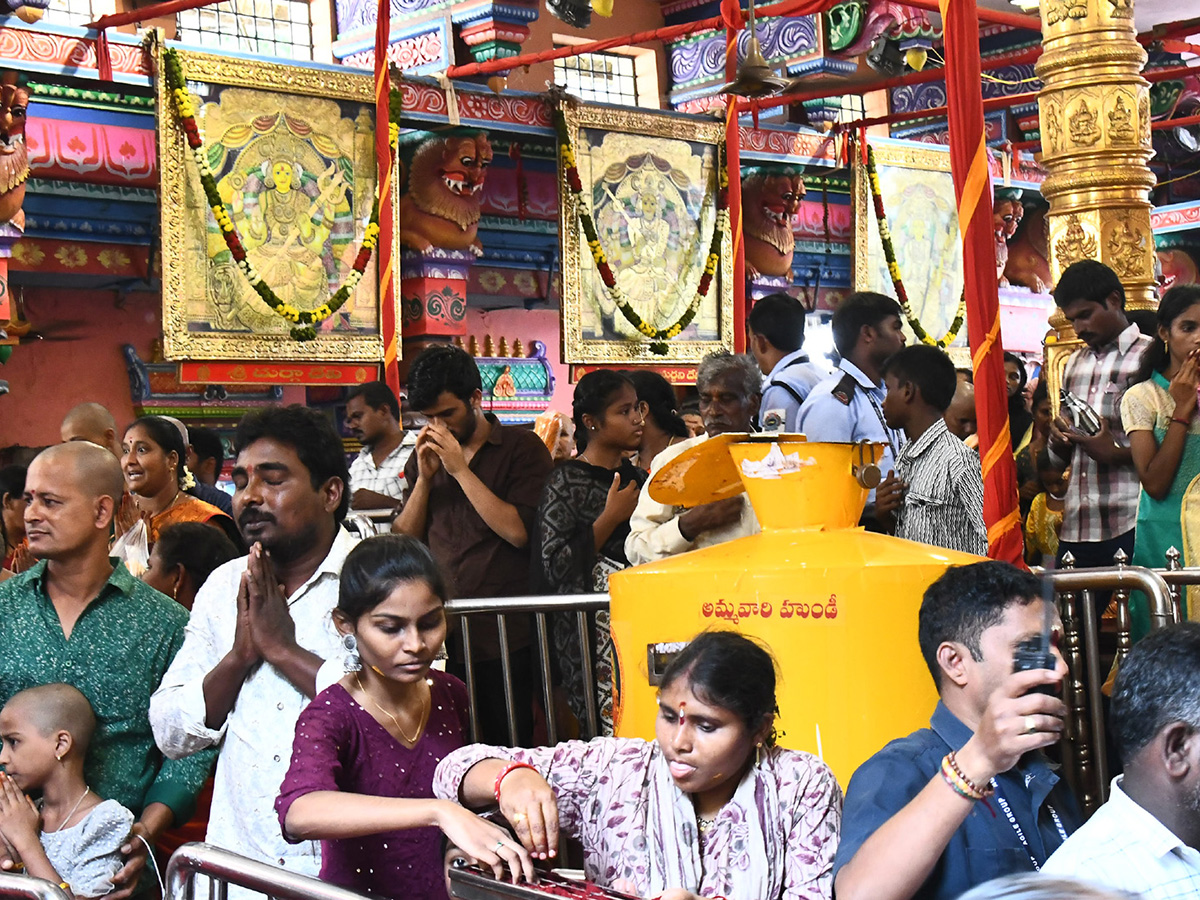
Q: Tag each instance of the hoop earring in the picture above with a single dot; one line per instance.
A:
(353, 661)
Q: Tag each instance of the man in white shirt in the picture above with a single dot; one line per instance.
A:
(729, 399)
(260, 629)
(377, 473)
(1146, 837)
(775, 335)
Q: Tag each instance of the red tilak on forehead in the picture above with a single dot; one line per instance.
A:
(682, 717)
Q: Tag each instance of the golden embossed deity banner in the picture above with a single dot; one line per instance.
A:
(918, 199)
(291, 150)
(650, 183)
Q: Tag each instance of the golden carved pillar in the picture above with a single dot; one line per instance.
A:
(1094, 115)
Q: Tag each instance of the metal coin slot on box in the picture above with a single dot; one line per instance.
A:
(469, 882)
(658, 657)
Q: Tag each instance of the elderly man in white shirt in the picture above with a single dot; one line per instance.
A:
(729, 388)
(1145, 839)
(261, 628)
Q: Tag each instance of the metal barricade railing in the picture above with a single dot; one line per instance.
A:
(502, 607)
(1085, 751)
(12, 885)
(220, 869)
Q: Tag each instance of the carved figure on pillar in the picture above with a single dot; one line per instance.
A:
(770, 202)
(440, 205)
(14, 161)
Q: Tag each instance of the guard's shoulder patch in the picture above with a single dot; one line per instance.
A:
(844, 389)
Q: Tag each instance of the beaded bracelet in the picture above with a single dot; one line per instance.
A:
(962, 785)
(505, 772)
(986, 790)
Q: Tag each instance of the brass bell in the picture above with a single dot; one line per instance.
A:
(866, 472)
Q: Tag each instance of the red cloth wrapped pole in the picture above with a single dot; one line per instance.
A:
(383, 157)
(973, 189)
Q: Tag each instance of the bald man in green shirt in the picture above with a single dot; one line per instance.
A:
(79, 617)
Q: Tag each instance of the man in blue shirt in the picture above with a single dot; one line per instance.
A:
(971, 797)
(848, 405)
(775, 335)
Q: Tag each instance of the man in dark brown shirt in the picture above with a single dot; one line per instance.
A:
(476, 486)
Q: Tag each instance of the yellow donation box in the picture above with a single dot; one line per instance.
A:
(837, 605)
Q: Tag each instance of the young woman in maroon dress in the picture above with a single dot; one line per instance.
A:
(361, 777)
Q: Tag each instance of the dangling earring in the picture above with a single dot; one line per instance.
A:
(758, 754)
(353, 661)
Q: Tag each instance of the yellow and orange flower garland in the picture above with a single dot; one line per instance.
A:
(305, 320)
(658, 336)
(889, 254)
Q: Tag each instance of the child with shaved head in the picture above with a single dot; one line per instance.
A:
(72, 837)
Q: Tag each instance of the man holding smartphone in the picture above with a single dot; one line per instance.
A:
(1100, 507)
(972, 797)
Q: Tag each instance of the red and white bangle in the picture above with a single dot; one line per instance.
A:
(505, 772)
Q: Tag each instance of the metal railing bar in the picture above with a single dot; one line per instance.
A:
(469, 671)
(1091, 645)
(13, 885)
(1148, 581)
(543, 639)
(554, 603)
(227, 868)
(589, 676)
(510, 702)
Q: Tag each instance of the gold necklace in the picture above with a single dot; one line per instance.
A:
(424, 713)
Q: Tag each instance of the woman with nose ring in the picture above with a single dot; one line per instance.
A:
(710, 808)
(1159, 415)
(363, 759)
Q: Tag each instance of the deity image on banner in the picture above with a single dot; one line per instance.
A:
(653, 198)
(296, 173)
(918, 199)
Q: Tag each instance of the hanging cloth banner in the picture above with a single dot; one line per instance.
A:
(973, 190)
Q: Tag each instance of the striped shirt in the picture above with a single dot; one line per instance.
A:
(387, 478)
(1102, 500)
(1123, 847)
(943, 503)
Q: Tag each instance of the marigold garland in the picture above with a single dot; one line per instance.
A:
(306, 320)
(889, 253)
(658, 336)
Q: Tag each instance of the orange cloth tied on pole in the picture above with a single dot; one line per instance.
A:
(973, 190)
(383, 156)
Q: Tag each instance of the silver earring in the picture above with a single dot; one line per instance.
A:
(353, 661)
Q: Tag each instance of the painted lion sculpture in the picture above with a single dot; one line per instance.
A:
(769, 204)
(440, 208)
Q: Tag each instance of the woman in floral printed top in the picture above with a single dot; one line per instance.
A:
(710, 808)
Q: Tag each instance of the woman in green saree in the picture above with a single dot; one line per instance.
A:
(1159, 416)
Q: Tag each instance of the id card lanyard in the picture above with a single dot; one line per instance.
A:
(1016, 826)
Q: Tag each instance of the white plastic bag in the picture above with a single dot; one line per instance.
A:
(133, 549)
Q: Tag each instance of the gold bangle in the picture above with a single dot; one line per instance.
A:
(64, 885)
